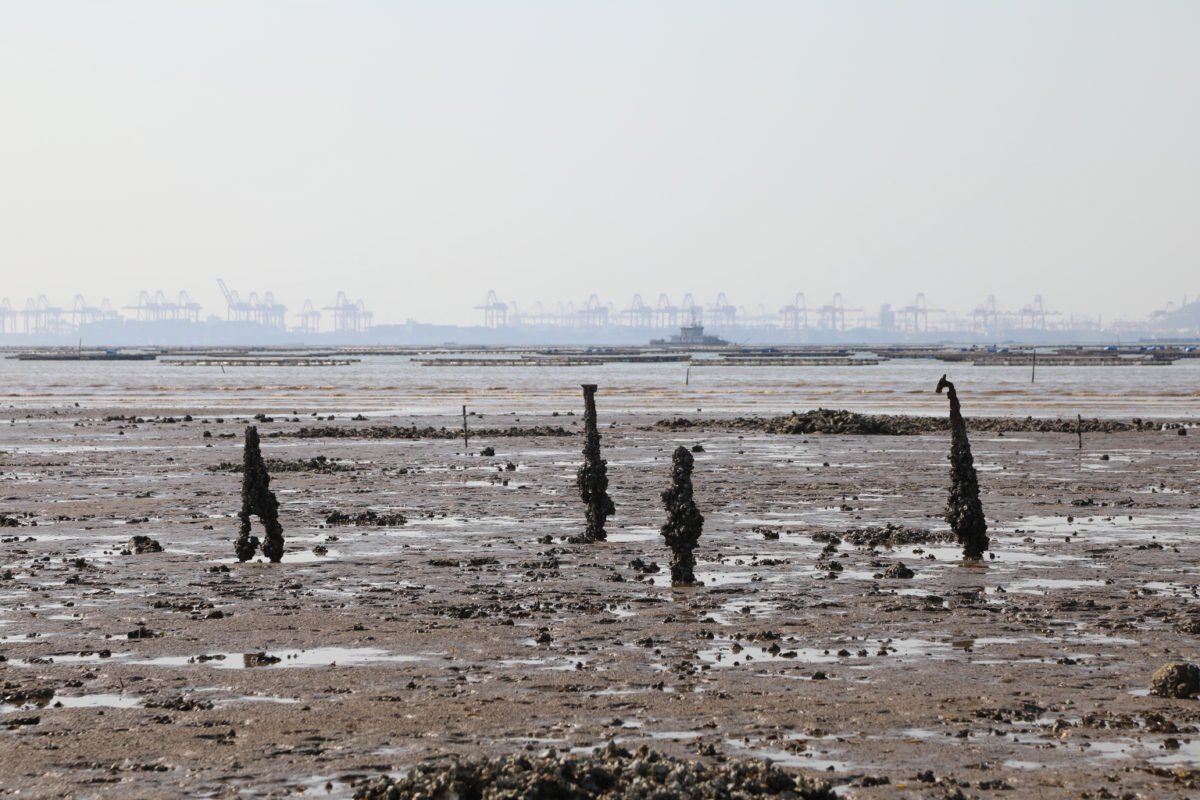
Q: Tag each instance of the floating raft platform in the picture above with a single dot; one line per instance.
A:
(282, 361)
(1069, 361)
(783, 361)
(85, 356)
(581, 360)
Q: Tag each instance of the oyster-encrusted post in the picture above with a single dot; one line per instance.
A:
(964, 511)
(592, 477)
(258, 499)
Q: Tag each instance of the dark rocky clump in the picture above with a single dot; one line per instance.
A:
(964, 511)
(892, 535)
(137, 545)
(592, 477)
(413, 432)
(250, 660)
(8, 522)
(898, 570)
(684, 521)
(1176, 679)
(16, 694)
(609, 773)
(181, 703)
(316, 464)
(258, 499)
(367, 518)
(840, 421)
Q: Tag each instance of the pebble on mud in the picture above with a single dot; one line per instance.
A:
(1176, 679)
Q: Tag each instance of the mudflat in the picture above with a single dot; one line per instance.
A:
(430, 604)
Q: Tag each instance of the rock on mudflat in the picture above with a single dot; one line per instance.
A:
(138, 545)
(609, 772)
(898, 570)
(1175, 679)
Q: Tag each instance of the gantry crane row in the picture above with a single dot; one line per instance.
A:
(235, 308)
(516, 316)
(691, 311)
(833, 315)
(265, 310)
(795, 316)
(156, 307)
(985, 318)
(8, 317)
(349, 317)
(566, 314)
(310, 318)
(495, 313)
(38, 316)
(1035, 314)
(594, 314)
(760, 317)
(665, 314)
(638, 315)
(722, 312)
(914, 318)
(84, 314)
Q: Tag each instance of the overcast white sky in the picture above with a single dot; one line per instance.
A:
(416, 154)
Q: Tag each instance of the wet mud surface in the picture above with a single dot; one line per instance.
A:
(473, 626)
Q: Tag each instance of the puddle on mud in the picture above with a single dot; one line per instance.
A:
(1151, 749)
(315, 657)
(1044, 585)
(635, 534)
(802, 758)
(254, 698)
(1112, 528)
(77, 701)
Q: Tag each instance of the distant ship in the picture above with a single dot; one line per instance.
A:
(691, 336)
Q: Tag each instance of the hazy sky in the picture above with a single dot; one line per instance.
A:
(416, 154)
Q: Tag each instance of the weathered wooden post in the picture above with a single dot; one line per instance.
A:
(258, 499)
(466, 437)
(592, 477)
(684, 521)
(964, 511)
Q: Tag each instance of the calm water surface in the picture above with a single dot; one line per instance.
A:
(401, 386)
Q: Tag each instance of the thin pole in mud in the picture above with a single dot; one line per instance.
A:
(466, 435)
(687, 377)
(1033, 372)
(1079, 429)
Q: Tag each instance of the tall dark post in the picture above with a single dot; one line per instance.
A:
(466, 436)
(592, 478)
(257, 498)
(684, 520)
(964, 512)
